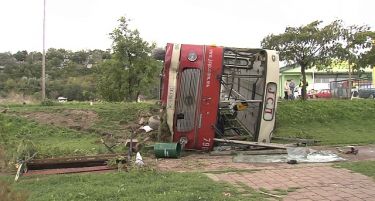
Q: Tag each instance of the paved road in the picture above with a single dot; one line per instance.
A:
(310, 183)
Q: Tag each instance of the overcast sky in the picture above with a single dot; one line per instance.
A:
(85, 24)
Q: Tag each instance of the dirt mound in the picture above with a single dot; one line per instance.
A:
(73, 119)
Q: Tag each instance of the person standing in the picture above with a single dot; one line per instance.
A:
(286, 90)
(292, 86)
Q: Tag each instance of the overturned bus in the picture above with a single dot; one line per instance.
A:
(213, 91)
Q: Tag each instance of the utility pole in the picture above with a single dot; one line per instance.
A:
(44, 53)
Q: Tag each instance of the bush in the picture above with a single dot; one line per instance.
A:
(48, 102)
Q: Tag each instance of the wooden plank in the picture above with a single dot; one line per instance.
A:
(270, 145)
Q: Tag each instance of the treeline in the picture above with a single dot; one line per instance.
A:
(121, 73)
(69, 74)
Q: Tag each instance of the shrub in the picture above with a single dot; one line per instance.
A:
(48, 102)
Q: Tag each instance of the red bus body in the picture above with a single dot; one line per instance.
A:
(205, 92)
(197, 80)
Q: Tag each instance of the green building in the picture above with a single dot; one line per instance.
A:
(318, 79)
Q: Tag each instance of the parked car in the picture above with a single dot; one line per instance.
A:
(367, 93)
(311, 93)
(324, 93)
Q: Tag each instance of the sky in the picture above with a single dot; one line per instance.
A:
(86, 24)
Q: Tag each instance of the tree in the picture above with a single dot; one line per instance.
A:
(130, 69)
(80, 57)
(7, 59)
(158, 54)
(111, 81)
(21, 55)
(369, 57)
(307, 46)
(354, 43)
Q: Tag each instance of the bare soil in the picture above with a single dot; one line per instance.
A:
(73, 119)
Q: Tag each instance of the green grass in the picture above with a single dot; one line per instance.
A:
(364, 167)
(111, 115)
(331, 122)
(134, 185)
(50, 141)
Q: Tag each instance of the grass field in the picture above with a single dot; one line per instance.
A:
(133, 185)
(111, 115)
(364, 167)
(332, 121)
(52, 141)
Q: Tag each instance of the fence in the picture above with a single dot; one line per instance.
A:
(340, 89)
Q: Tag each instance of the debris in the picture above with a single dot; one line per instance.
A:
(167, 150)
(295, 155)
(142, 121)
(109, 147)
(103, 168)
(260, 144)
(224, 152)
(146, 128)
(73, 164)
(227, 194)
(133, 141)
(278, 158)
(352, 150)
(298, 141)
(292, 161)
(138, 146)
(269, 194)
(20, 171)
(138, 160)
(154, 122)
(303, 154)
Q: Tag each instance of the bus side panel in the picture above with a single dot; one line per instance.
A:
(209, 101)
(172, 86)
(267, 121)
(188, 94)
(165, 73)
